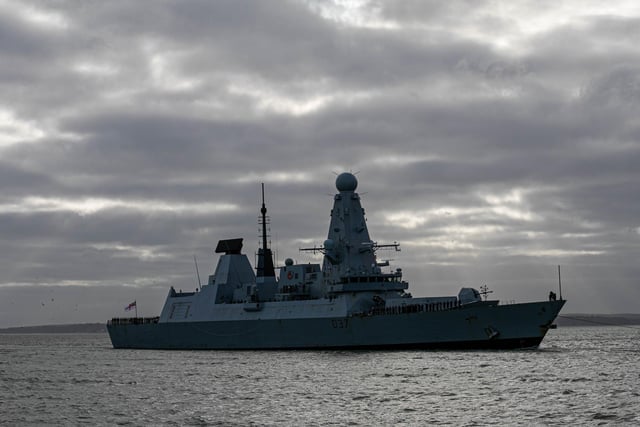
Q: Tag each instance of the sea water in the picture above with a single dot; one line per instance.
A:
(579, 376)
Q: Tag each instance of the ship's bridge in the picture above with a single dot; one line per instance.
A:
(372, 283)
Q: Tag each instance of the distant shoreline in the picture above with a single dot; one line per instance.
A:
(582, 319)
(564, 320)
(76, 328)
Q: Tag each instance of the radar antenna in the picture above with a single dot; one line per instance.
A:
(484, 291)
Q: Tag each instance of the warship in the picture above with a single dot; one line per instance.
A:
(351, 301)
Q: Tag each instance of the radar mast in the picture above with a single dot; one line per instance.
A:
(265, 259)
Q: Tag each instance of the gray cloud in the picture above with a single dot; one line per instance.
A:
(494, 143)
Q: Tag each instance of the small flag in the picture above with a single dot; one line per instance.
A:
(130, 306)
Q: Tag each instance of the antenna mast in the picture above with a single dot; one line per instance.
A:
(265, 260)
(559, 284)
(197, 272)
(263, 211)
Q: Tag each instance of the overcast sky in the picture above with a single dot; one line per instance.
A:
(493, 140)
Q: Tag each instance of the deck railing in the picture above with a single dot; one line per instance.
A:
(415, 308)
(132, 320)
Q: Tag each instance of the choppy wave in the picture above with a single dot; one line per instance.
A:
(587, 376)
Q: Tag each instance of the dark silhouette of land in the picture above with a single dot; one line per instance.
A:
(77, 328)
(582, 319)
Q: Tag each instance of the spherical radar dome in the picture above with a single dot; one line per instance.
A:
(346, 182)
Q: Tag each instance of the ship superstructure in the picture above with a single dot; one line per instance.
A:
(350, 301)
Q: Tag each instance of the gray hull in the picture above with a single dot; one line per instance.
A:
(477, 326)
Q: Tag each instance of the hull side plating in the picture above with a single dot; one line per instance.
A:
(482, 327)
